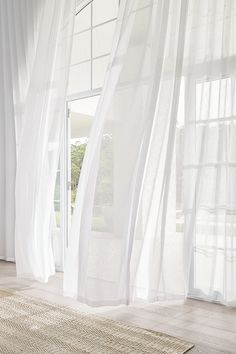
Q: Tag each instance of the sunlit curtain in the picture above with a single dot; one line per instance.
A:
(18, 24)
(209, 143)
(39, 139)
(156, 203)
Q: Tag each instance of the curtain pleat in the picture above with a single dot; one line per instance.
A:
(155, 211)
(35, 47)
(14, 60)
(39, 140)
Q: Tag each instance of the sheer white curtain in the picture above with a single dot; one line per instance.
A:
(121, 219)
(18, 22)
(39, 136)
(156, 204)
(209, 164)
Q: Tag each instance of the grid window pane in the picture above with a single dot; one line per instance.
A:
(80, 78)
(81, 49)
(99, 71)
(92, 40)
(104, 10)
(102, 38)
(83, 20)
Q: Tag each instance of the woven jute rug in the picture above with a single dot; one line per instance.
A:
(30, 326)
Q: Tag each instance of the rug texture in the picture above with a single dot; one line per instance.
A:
(30, 326)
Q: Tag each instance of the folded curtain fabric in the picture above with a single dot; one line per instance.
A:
(34, 62)
(157, 218)
(39, 141)
(18, 26)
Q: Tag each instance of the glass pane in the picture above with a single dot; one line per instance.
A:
(102, 38)
(79, 78)
(81, 116)
(104, 10)
(57, 238)
(57, 200)
(99, 71)
(83, 20)
(81, 48)
(214, 99)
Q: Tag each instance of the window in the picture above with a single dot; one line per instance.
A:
(92, 42)
(91, 46)
(211, 161)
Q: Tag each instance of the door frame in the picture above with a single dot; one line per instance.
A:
(65, 174)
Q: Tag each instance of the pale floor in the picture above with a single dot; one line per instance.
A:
(211, 327)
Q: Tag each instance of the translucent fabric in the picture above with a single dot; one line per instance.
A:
(18, 22)
(39, 137)
(156, 204)
(209, 146)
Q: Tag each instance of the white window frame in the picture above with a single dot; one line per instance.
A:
(65, 173)
(83, 94)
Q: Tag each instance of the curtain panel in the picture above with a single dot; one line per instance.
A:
(35, 49)
(155, 212)
(18, 25)
(39, 140)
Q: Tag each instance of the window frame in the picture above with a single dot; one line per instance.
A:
(82, 94)
(65, 171)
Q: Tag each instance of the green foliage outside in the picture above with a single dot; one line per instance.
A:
(104, 188)
(77, 156)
